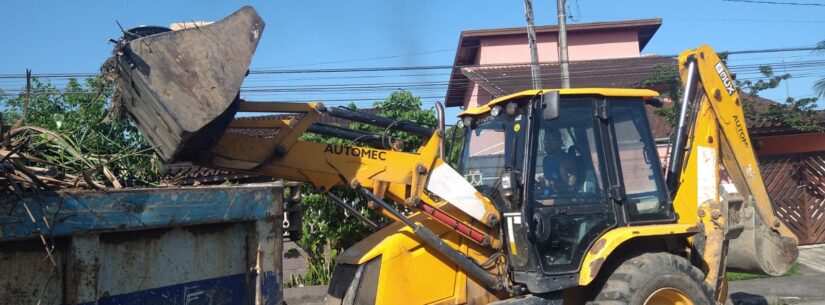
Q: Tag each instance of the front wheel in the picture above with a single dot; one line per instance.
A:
(655, 279)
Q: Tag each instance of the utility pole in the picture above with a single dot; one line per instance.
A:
(565, 72)
(531, 40)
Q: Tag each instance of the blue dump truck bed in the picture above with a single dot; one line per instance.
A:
(191, 245)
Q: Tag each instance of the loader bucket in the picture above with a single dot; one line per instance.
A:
(755, 246)
(182, 87)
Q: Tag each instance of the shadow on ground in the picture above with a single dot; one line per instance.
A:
(744, 298)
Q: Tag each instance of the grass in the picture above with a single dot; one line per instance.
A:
(738, 276)
(319, 272)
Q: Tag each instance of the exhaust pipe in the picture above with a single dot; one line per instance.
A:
(182, 87)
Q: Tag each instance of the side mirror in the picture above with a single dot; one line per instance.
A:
(550, 100)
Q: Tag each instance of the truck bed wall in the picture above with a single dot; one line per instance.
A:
(216, 257)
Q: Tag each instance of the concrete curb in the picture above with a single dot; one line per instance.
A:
(310, 295)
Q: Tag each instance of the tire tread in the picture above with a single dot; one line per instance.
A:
(622, 284)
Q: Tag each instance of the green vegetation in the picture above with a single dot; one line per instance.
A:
(819, 85)
(70, 131)
(667, 78)
(737, 276)
(319, 272)
(797, 114)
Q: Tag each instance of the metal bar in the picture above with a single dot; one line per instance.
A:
(352, 210)
(428, 237)
(678, 147)
(268, 257)
(248, 106)
(83, 276)
(258, 123)
(372, 119)
(155, 207)
(352, 135)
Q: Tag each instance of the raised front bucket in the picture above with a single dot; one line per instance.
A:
(758, 248)
(182, 87)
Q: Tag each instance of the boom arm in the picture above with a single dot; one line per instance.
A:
(747, 231)
(400, 176)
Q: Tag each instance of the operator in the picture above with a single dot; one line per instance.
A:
(559, 169)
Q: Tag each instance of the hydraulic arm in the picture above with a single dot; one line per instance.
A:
(711, 130)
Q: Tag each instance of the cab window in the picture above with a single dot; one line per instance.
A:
(641, 171)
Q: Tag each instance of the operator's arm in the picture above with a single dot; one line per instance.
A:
(568, 173)
(566, 179)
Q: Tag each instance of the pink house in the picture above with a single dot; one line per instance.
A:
(498, 57)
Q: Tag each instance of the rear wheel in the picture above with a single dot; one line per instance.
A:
(655, 279)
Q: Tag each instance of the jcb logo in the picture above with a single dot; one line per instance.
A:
(720, 69)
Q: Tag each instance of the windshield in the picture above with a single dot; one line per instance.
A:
(568, 170)
(490, 148)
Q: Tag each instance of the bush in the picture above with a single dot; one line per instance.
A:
(71, 131)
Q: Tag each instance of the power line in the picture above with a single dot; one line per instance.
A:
(360, 59)
(777, 2)
(714, 19)
(603, 70)
(395, 68)
(512, 79)
(796, 69)
(775, 50)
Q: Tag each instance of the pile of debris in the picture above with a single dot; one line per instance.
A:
(35, 158)
(22, 170)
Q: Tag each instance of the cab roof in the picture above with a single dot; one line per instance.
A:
(613, 92)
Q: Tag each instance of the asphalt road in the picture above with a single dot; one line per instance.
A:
(806, 288)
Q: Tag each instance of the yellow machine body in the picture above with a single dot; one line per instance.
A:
(452, 249)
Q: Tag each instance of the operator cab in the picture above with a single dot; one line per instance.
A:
(564, 167)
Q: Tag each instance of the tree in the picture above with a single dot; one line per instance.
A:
(819, 85)
(797, 114)
(666, 78)
(327, 229)
(89, 141)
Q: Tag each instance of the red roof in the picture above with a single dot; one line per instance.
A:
(661, 129)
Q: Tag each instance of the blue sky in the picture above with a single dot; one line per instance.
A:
(71, 37)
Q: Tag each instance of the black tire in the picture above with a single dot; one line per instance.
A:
(637, 278)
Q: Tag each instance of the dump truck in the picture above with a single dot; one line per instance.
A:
(171, 245)
(559, 197)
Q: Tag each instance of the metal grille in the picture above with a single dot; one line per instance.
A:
(796, 185)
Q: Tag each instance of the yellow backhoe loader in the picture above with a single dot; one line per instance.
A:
(560, 197)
